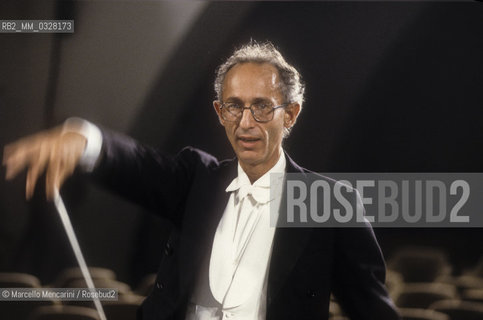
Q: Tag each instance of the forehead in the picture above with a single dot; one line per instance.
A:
(248, 81)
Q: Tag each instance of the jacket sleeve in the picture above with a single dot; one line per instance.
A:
(147, 176)
(359, 269)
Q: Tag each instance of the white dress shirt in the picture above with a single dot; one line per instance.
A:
(238, 268)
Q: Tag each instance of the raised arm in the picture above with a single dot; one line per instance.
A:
(135, 171)
(146, 175)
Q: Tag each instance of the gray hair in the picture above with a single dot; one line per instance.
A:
(292, 86)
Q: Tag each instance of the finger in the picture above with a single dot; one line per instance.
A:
(67, 167)
(37, 167)
(32, 175)
(52, 172)
(19, 154)
(7, 151)
(15, 159)
(64, 173)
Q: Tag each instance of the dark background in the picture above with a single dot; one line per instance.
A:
(391, 87)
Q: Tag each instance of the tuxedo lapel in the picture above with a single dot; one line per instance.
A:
(288, 244)
(205, 209)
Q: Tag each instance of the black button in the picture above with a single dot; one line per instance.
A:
(159, 285)
(168, 249)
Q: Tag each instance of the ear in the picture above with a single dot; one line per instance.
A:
(217, 107)
(291, 113)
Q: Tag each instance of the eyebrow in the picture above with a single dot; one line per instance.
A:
(234, 100)
(255, 100)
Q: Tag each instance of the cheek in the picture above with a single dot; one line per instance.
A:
(273, 137)
(278, 136)
(276, 132)
(230, 132)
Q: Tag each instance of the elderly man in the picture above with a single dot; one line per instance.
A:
(224, 260)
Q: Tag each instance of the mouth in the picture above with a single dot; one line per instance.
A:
(247, 141)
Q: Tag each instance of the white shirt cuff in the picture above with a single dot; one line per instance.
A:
(93, 135)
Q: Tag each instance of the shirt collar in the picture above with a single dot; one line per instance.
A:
(263, 181)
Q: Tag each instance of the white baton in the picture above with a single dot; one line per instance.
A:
(59, 205)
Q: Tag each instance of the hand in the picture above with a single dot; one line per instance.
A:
(53, 150)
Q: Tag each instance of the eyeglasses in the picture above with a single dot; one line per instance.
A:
(261, 111)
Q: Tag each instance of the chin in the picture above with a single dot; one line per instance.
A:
(249, 157)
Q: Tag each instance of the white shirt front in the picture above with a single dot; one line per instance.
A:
(238, 268)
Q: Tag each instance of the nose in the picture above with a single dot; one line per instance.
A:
(247, 120)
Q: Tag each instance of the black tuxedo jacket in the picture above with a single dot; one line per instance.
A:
(306, 266)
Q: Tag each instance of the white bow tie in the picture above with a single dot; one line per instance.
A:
(260, 194)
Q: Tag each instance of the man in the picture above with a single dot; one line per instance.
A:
(224, 260)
